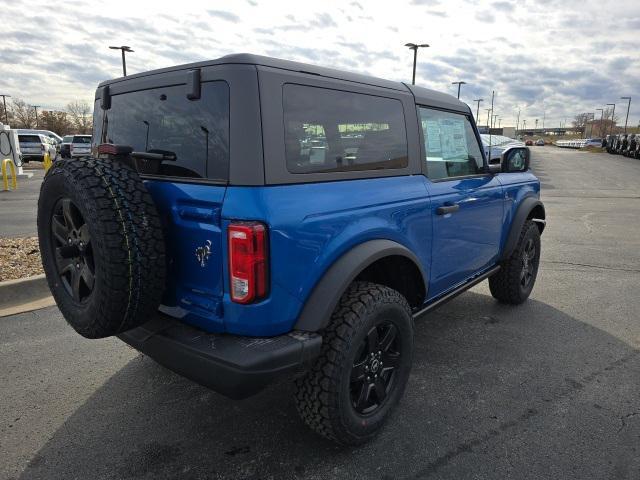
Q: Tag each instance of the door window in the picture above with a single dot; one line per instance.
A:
(450, 145)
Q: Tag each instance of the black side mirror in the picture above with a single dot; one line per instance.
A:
(515, 159)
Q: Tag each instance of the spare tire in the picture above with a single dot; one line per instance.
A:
(101, 244)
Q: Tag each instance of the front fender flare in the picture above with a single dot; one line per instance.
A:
(524, 209)
(325, 296)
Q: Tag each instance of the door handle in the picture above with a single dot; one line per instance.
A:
(443, 210)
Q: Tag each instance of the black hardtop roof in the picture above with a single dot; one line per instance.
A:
(422, 95)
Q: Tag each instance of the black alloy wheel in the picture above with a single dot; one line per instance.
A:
(374, 370)
(73, 250)
(528, 263)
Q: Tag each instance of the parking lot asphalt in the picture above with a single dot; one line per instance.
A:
(18, 208)
(549, 389)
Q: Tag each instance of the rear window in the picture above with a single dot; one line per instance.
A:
(164, 120)
(29, 139)
(67, 139)
(79, 139)
(336, 131)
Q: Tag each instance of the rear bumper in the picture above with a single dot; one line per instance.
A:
(231, 365)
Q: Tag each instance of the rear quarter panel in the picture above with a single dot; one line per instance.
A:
(310, 226)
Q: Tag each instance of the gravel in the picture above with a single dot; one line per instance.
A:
(19, 258)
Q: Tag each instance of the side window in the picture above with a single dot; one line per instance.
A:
(450, 144)
(335, 131)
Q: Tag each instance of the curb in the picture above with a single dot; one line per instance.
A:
(24, 295)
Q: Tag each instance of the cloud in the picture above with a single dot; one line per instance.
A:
(503, 6)
(552, 61)
(228, 16)
(486, 17)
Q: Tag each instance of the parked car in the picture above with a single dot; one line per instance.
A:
(216, 244)
(630, 149)
(57, 138)
(593, 142)
(65, 146)
(33, 146)
(540, 142)
(621, 143)
(80, 146)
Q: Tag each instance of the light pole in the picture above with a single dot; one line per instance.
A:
(4, 101)
(524, 125)
(35, 107)
(412, 46)
(459, 85)
(518, 121)
(499, 122)
(536, 124)
(628, 107)
(613, 112)
(488, 112)
(601, 115)
(493, 120)
(478, 100)
(123, 49)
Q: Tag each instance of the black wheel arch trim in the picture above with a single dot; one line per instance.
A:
(526, 207)
(324, 297)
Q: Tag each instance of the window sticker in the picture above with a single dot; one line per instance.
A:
(453, 139)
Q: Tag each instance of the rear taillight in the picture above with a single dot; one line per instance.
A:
(248, 261)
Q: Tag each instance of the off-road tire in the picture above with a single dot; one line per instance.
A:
(127, 244)
(323, 395)
(506, 285)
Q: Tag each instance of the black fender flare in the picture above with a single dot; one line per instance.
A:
(326, 294)
(525, 208)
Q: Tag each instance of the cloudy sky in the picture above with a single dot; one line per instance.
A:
(547, 57)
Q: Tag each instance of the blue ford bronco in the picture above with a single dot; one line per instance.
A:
(248, 218)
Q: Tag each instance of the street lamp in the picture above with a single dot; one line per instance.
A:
(412, 46)
(123, 48)
(628, 106)
(499, 122)
(35, 107)
(601, 115)
(488, 112)
(493, 120)
(518, 121)
(4, 101)
(478, 100)
(613, 112)
(459, 85)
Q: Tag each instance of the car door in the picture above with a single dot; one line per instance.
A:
(466, 203)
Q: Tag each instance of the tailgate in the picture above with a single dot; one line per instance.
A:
(190, 215)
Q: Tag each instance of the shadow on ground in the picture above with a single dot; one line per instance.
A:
(496, 392)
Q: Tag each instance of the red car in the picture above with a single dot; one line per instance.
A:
(528, 143)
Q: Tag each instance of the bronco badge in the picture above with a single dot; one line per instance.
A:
(203, 253)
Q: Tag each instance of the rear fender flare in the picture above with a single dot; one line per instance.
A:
(325, 296)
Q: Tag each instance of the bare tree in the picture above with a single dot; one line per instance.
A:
(81, 118)
(55, 121)
(24, 115)
(582, 119)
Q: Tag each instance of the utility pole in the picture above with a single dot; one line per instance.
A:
(518, 121)
(123, 49)
(35, 107)
(414, 47)
(601, 115)
(6, 115)
(478, 100)
(613, 113)
(628, 107)
(459, 85)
